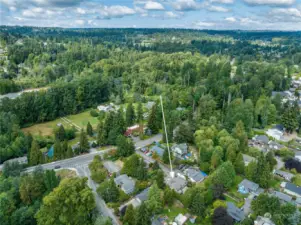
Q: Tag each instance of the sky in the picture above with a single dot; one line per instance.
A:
(195, 14)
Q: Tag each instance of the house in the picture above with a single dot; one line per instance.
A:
(159, 151)
(236, 213)
(281, 93)
(279, 127)
(181, 219)
(291, 189)
(129, 131)
(298, 201)
(125, 183)
(149, 105)
(111, 167)
(194, 175)
(179, 150)
(275, 145)
(247, 186)
(261, 139)
(298, 156)
(247, 159)
(137, 200)
(276, 134)
(263, 221)
(285, 175)
(107, 108)
(177, 183)
(284, 198)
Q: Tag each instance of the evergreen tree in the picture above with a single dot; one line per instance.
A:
(169, 196)
(184, 134)
(51, 180)
(143, 215)
(152, 120)
(35, 153)
(198, 205)
(69, 153)
(60, 133)
(108, 191)
(240, 134)
(289, 117)
(89, 129)
(64, 149)
(154, 201)
(129, 217)
(139, 113)
(160, 179)
(130, 115)
(141, 171)
(251, 171)
(58, 151)
(165, 156)
(101, 137)
(83, 142)
(239, 164)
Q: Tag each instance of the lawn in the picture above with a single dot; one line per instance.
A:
(65, 173)
(46, 129)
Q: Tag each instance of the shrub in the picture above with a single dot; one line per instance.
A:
(94, 113)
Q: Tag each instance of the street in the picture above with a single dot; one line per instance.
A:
(80, 164)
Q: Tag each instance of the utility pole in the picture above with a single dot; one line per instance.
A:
(172, 174)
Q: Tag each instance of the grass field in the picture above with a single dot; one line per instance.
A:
(46, 129)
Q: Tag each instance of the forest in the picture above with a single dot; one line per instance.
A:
(220, 89)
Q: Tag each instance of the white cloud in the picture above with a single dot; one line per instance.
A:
(171, 15)
(218, 9)
(223, 1)
(202, 24)
(80, 11)
(12, 8)
(247, 20)
(270, 2)
(115, 11)
(186, 5)
(230, 19)
(153, 6)
(286, 11)
(80, 22)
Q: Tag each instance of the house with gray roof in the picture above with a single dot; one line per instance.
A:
(137, 200)
(275, 145)
(247, 159)
(159, 151)
(261, 139)
(263, 221)
(125, 183)
(284, 198)
(179, 150)
(236, 213)
(291, 189)
(149, 105)
(179, 184)
(194, 175)
(247, 186)
(111, 167)
(283, 174)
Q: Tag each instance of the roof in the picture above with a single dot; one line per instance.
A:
(298, 200)
(111, 167)
(247, 159)
(281, 93)
(149, 105)
(158, 150)
(126, 183)
(262, 138)
(194, 174)
(293, 188)
(235, 212)
(177, 183)
(180, 148)
(263, 221)
(249, 185)
(279, 127)
(284, 174)
(282, 196)
(142, 196)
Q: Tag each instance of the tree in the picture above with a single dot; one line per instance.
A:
(130, 115)
(75, 197)
(100, 220)
(165, 156)
(129, 217)
(265, 204)
(58, 151)
(89, 129)
(125, 146)
(169, 196)
(152, 123)
(35, 153)
(139, 113)
(69, 153)
(251, 171)
(198, 205)
(83, 142)
(12, 169)
(51, 180)
(154, 201)
(60, 133)
(184, 134)
(239, 164)
(141, 171)
(108, 191)
(289, 118)
(160, 179)
(225, 175)
(221, 217)
(143, 215)
(240, 134)
(101, 135)
(7, 207)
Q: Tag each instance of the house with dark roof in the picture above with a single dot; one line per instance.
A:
(291, 189)
(194, 175)
(283, 174)
(284, 198)
(236, 213)
(125, 183)
(179, 150)
(247, 159)
(261, 139)
(178, 183)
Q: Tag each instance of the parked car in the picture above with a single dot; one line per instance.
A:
(57, 167)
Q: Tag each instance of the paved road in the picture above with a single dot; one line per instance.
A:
(80, 164)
